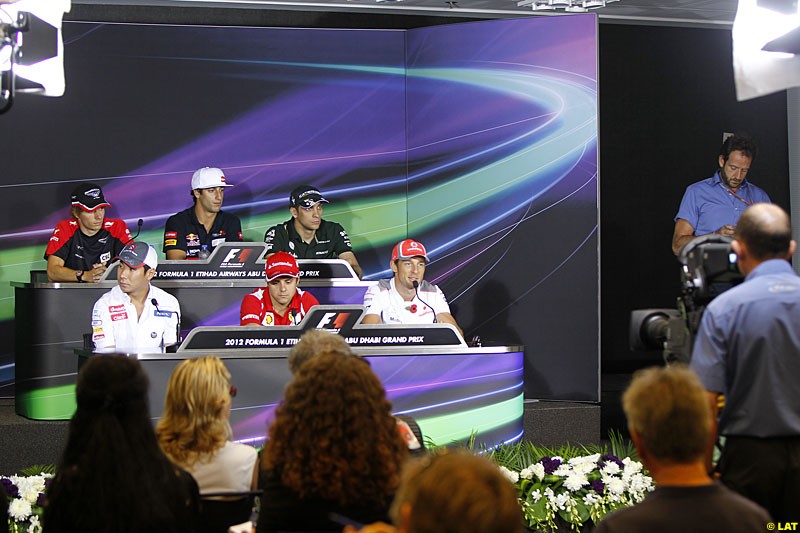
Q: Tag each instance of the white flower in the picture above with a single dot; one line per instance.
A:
(512, 476)
(526, 473)
(575, 481)
(631, 466)
(35, 526)
(561, 501)
(615, 486)
(564, 470)
(19, 509)
(538, 470)
(536, 495)
(590, 499)
(611, 468)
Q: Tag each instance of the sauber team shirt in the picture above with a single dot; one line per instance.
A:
(80, 252)
(384, 300)
(116, 328)
(257, 309)
(184, 232)
(330, 241)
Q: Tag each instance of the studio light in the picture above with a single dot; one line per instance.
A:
(31, 49)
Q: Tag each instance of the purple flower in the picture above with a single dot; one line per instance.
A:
(609, 458)
(40, 499)
(9, 488)
(550, 465)
(598, 486)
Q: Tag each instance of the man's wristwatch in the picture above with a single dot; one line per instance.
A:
(79, 276)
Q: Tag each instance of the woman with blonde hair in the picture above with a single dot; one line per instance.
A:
(195, 432)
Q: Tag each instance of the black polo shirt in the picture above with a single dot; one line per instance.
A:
(330, 241)
(184, 232)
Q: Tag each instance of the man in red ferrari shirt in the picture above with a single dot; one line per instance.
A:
(280, 303)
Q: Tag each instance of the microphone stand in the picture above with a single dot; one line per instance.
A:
(416, 291)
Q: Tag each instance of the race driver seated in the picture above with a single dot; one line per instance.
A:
(407, 298)
(281, 302)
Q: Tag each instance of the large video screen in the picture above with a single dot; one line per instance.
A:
(478, 139)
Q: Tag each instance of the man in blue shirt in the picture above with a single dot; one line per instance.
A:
(715, 204)
(748, 349)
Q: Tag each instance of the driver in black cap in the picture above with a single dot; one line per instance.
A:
(82, 245)
(306, 235)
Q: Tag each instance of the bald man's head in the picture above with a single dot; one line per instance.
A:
(766, 231)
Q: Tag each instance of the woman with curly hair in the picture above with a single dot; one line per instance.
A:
(333, 448)
(113, 477)
(195, 432)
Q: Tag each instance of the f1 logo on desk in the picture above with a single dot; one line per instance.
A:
(334, 321)
(236, 257)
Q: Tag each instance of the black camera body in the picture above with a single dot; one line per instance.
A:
(708, 267)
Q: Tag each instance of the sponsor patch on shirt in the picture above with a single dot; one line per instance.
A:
(250, 317)
(269, 319)
(97, 322)
(163, 314)
(171, 235)
(115, 308)
(105, 257)
(192, 239)
(217, 242)
(170, 242)
(97, 330)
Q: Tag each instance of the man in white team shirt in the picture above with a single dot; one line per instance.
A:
(407, 298)
(134, 316)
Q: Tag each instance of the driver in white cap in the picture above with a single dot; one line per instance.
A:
(134, 316)
(198, 229)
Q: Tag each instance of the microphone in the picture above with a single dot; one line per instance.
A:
(177, 327)
(416, 290)
(139, 224)
(155, 304)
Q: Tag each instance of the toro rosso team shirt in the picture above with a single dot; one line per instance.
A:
(116, 328)
(257, 309)
(80, 252)
(184, 232)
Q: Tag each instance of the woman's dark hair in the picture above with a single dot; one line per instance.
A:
(113, 476)
(334, 436)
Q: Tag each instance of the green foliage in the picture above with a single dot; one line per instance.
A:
(35, 470)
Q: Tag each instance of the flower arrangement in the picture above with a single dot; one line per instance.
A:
(570, 485)
(25, 495)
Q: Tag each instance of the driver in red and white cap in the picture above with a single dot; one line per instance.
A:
(281, 302)
(407, 298)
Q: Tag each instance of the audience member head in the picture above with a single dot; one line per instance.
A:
(313, 343)
(113, 476)
(334, 436)
(668, 414)
(196, 410)
(453, 492)
(763, 232)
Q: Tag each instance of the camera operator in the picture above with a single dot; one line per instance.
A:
(748, 349)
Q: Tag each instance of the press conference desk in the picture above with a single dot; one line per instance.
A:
(428, 372)
(453, 391)
(51, 318)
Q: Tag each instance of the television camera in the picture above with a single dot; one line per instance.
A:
(708, 267)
